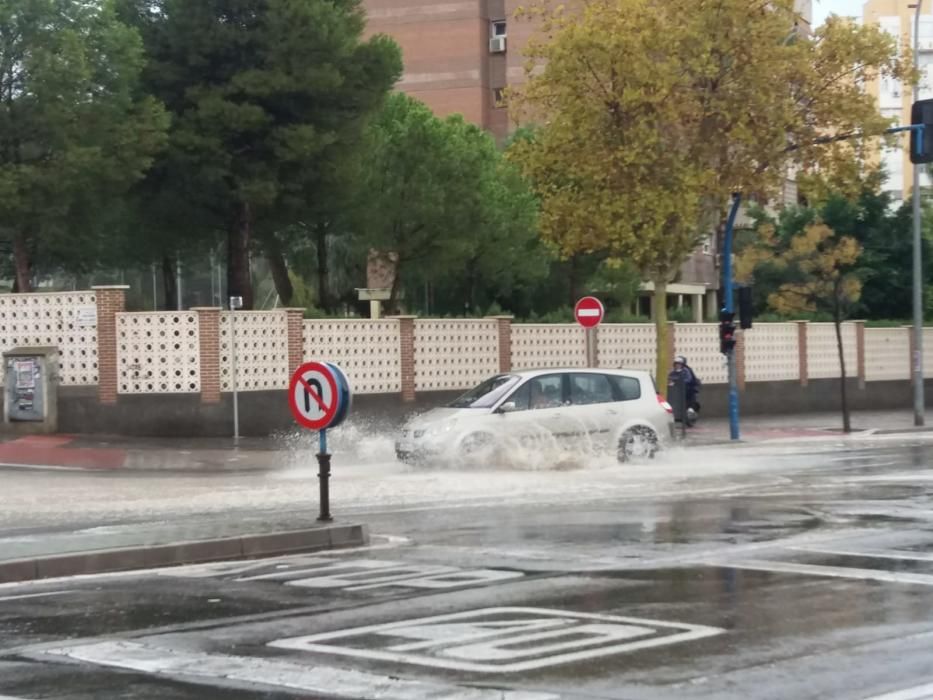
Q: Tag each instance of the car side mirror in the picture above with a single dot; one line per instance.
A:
(507, 407)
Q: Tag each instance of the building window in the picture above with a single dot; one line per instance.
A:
(498, 96)
(497, 28)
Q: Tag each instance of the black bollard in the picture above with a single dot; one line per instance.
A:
(323, 475)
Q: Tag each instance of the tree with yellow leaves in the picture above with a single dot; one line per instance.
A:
(652, 113)
(820, 266)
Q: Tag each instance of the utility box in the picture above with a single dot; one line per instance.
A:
(30, 390)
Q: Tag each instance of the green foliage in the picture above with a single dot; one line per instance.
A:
(655, 112)
(75, 131)
(884, 266)
(564, 314)
(437, 194)
(616, 283)
(268, 98)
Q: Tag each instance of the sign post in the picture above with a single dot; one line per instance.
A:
(235, 303)
(589, 313)
(319, 396)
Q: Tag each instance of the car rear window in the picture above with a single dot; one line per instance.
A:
(628, 388)
(589, 389)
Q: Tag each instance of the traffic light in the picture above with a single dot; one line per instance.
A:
(922, 113)
(726, 331)
(745, 307)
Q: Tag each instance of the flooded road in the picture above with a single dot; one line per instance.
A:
(772, 571)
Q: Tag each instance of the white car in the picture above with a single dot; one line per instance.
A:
(615, 410)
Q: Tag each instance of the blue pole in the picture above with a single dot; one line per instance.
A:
(729, 307)
(322, 442)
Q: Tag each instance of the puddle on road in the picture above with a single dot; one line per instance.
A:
(865, 561)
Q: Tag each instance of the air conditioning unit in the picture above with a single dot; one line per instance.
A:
(497, 44)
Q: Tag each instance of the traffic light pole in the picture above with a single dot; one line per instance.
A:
(728, 307)
(917, 359)
(918, 132)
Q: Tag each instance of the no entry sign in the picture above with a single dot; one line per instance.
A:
(589, 312)
(319, 395)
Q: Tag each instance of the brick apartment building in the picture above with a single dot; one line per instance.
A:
(460, 54)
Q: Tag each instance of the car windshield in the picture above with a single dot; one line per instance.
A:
(486, 394)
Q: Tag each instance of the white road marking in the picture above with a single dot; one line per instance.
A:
(920, 692)
(180, 570)
(53, 467)
(785, 567)
(354, 574)
(869, 553)
(34, 595)
(330, 682)
(500, 640)
(456, 579)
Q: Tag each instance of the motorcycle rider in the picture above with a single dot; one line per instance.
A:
(691, 386)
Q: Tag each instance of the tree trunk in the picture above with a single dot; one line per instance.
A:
(660, 322)
(22, 281)
(239, 283)
(846, 425)
(272, 249)
(168, 283)
(471, 287)
(574, 297)
(323, 269)
(392, 306)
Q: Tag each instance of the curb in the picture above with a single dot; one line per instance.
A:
(195, 552)
(902, 431)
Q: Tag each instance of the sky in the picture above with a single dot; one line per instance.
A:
(846, 8)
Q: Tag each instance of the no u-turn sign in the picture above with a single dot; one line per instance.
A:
(319, 395)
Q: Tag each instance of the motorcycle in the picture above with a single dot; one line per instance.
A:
(677, 398)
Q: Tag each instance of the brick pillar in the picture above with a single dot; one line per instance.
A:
(111, 300)
(209, 343)
(860, 352)
(802, 352)
(407, 349)
(504, 326)
(740, 360)
(296, 339)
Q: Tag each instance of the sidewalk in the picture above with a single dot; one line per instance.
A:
(275, 452)
(811, 425)
(106, 453)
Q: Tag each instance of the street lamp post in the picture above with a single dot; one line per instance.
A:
(917, 359)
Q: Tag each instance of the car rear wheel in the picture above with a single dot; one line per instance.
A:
(637, 443)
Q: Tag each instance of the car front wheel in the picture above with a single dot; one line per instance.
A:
(637, 443)
(475, 442)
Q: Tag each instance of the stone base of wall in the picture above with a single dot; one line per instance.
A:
(819, 396)
(184, 415)
(266, 412)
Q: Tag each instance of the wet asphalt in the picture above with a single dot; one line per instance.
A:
(810, 576)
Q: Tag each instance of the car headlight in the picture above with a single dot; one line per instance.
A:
(432, 430)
